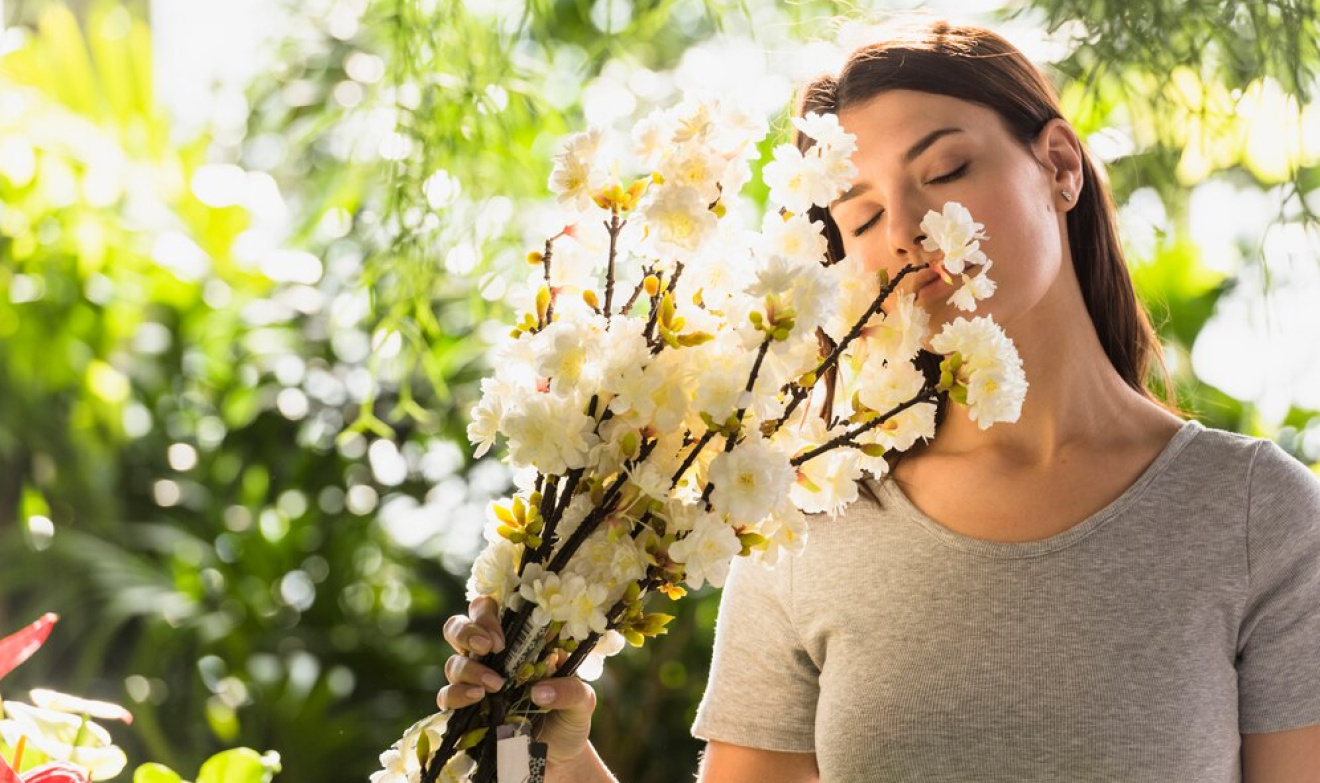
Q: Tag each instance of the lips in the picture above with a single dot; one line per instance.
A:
(924, 277)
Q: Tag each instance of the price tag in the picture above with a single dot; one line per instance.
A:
(518, 759)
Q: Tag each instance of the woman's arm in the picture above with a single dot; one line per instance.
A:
(1282, 756)
(721, 762)
(727, 763)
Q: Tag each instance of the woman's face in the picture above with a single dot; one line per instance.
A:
(917, 150)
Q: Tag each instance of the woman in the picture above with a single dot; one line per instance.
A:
(1110, 592)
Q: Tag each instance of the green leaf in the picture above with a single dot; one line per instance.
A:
(239, 765)
(152, 772)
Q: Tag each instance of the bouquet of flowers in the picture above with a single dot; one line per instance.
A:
(743, 383)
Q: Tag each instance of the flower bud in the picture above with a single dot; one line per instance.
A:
(651, 285)
(473, 738)
(872, 449)
(535, 257)
(542, 302)
(590, 298)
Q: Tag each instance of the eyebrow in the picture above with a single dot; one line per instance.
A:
(912, 154)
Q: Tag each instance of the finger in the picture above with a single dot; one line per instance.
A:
(485, 613)
(465, 636)
(460, 669)
(452, 697)
(458, 631)
(565, 693)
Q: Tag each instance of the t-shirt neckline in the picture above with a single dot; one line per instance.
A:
(1011, 550)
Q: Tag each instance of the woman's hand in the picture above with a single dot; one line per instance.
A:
(565, 729)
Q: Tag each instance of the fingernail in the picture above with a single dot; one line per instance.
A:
(543, 694)
(474, 691)
(493, 681)
(481, 644)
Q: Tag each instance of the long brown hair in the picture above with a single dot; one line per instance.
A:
(975, 64)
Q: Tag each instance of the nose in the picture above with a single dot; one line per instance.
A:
(905, 234)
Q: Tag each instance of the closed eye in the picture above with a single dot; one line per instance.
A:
(863, 227)
(950, 177)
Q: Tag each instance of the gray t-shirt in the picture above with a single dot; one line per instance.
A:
(1133, 647)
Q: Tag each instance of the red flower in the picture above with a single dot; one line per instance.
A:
(19, 646)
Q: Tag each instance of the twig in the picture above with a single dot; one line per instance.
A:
(927, 394)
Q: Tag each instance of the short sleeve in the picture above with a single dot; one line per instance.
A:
(1279, 640)
(763, 687)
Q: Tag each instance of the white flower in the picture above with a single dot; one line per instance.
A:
(565, 598)
(955, 234)
(487, 415)
(973, 288)
(577, 261)
(53, 733)
(62, 702)
(514, 360)
(751, 481)
(785, 532)
(693, 120)
(858, 288)
(651, 481)
(622, 351)
(572, 179)
(653, 137)
(679, 220)
(459, 768)
(399, 763)
(550, 432)
(696, 166)
(611, 564)
(900, 334)
(882, 389)
(824, 483)
(608, 645)
(797, 181)
(720, 267)
(586, 607)
(495, 571)
(656, 395)
(394, 768)
(827, 483)
(706, 551)
(715, 375)
(798, 237)
(576, 175)
(825, 129)
(546, 592)
(577, 510)
(805, 287)
(568, 354)
(991, 370)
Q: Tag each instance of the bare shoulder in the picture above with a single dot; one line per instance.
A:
(728, 763)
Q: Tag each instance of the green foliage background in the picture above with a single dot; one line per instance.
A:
(205, 434)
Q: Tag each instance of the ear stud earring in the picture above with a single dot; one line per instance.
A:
(1067, 195)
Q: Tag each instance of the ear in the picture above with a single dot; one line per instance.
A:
(1059, 150)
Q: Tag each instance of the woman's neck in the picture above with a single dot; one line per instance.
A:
(1075, 401)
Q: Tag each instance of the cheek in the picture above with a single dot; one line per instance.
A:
(1025, 241)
